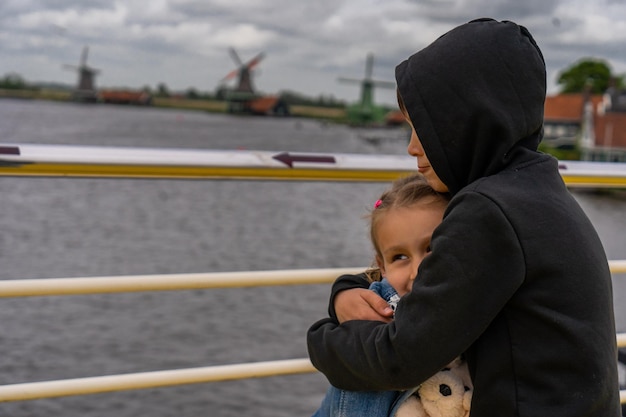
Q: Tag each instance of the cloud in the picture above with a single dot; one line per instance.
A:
(308, 45)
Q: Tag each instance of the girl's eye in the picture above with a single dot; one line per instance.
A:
(398, 257)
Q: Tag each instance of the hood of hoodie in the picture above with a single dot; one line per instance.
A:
(475, 96)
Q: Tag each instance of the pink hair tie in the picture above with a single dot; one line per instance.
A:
(378, 203)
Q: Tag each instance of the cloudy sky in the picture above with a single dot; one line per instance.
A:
(308, 44)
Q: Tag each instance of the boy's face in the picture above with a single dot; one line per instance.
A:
(403, 237)
(416, 149)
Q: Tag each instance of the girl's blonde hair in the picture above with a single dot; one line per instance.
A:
(404, 192)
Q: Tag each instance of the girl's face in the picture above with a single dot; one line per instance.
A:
(403, 237)
(416, 149)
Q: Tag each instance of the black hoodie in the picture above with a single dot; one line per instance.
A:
(517, 277)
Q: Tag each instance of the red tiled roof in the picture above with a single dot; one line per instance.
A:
(567, 107)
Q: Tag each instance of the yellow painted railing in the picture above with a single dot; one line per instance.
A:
(167, 282)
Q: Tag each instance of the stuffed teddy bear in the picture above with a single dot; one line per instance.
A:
(448, 393)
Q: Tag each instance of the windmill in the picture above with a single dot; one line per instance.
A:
(365, 111)
(85, 90)
(243, 72)
(243, 97)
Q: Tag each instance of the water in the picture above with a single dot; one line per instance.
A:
(56, 227)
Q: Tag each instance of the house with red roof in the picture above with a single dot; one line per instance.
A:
(595, 123)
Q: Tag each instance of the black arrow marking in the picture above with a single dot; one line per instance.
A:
(288, 159)
(9, 150)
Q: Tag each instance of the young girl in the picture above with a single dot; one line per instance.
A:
(402, 222)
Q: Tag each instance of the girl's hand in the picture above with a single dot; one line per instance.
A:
(361, 304)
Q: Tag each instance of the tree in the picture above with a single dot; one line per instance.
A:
(162, 90)
(588, 72)
(192, 93)
(13, 81)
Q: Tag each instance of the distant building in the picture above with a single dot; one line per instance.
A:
(603, 137)
(563, 119)
(595, 123)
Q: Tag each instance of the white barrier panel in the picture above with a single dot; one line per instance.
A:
(97, 161)
(88, 161)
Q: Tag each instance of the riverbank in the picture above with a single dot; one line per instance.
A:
(212, 106)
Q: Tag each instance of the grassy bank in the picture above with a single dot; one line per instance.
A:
(212, 106)
(44, 94)
(182, 103)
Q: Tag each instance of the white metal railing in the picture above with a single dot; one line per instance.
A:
(154, 379)
(169, 282)
(137, 283)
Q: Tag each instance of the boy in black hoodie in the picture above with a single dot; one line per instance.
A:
(517, 278)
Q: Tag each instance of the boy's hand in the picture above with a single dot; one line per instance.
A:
(361, 304)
